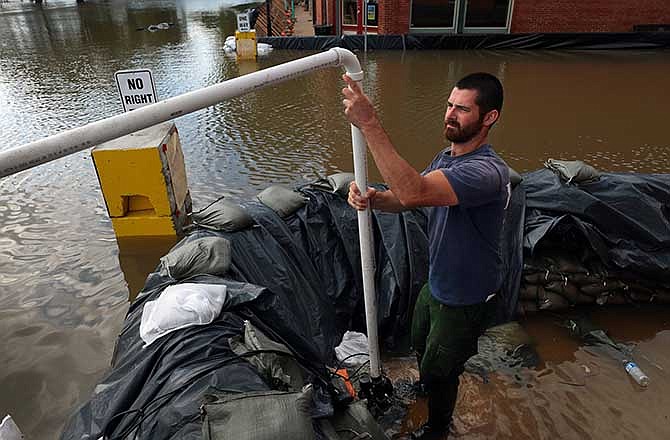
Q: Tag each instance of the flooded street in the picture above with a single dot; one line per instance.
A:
(65, 281)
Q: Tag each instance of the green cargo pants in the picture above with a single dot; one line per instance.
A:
(444, 338)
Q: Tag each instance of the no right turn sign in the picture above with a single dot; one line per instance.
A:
(136, 88)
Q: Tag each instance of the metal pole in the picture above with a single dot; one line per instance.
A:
(365, 26)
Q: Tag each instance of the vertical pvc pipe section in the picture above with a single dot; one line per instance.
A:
(367, 256)
(365, 229)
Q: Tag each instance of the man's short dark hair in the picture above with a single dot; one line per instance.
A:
(489, 90)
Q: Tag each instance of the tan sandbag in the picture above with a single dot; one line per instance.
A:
(563, 287)
(551, 301)
(611, 298)
(640, 297)
(636, 287)
(526, 307)
(585, 278)
(582, 299)
(528, 292)
(542, 277)
(565, 264)
(605, 286)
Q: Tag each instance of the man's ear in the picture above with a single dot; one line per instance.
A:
(491, 117)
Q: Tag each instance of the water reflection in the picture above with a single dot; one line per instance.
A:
(64, 280)
(138, 256)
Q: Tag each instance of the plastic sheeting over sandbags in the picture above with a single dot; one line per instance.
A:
(604, 240)
(297, 280)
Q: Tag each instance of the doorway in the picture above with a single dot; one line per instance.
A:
(357, 15)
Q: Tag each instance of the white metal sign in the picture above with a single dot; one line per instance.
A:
(136, 88)
(243, 22)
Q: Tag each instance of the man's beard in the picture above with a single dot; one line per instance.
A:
(461, 134)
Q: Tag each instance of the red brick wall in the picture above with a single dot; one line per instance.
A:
(393, 16)
(542, 15)
(587, 15)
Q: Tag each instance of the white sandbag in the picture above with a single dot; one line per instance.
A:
(230, 44)
(353, 349)
(263, 48)
(9, 430)
(180, 306)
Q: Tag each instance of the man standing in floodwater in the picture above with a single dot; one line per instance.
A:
(466, 189)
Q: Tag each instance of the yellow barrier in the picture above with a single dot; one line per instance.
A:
(143, 181)
(245, 45)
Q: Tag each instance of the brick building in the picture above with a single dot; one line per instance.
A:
(486, 16)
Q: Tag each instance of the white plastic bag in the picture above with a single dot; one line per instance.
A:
(353, 350)
(181, 306)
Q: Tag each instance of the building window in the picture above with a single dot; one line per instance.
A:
(460, 15)
(433, 13)
(486, 13)
(350, 12)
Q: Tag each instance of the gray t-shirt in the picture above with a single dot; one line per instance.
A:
(464, 240)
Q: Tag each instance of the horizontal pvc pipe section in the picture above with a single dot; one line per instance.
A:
(62, 144)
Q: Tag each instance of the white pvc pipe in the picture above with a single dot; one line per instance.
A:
(62, 144)
(366, 241)
(367, 257)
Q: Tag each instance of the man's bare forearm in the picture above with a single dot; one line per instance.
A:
(387, 201)
(405, 182)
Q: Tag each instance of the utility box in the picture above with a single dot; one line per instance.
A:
(143, 180)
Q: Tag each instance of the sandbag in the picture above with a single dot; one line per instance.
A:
(340, 183)
(572, 171)
(585, 278)
(181, 306)
(528, 292)
(282, 200)
(604, 286)
(223, 216)
(264, 415)
(526, 307)
(274, 361)
(568, 290)
(550, 300)
(514, 177)
(206, 255)
(542, 277)
(566, 265)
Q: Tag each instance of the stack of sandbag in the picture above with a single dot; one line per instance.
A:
(558, 281)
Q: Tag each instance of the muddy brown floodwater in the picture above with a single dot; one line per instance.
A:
(65, 281)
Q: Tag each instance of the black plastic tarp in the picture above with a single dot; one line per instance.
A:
(624, 218)
(304, 271)
(306, 268)
(422, 41)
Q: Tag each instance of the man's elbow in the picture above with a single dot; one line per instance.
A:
(409, 201)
